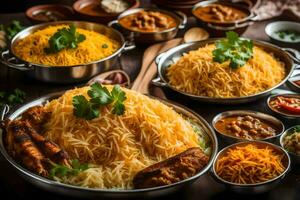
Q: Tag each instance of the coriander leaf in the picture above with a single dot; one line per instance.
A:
(62, 170)
(237, 51)
(15, 97)
(84, 109)
(119, 97)
(99, 94)
(65, 38)
(12, 29)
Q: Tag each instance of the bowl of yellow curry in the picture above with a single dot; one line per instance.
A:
(65, 51)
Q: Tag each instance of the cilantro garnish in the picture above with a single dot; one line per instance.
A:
(62, 170)
(65, 38)
(234, 49)
(100, 96)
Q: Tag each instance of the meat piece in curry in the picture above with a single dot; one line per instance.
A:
(172, 170)
(148, 21)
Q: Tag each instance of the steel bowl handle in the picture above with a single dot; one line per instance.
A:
(293, 53)
(7, 59)
(3, 111)
(183, 19)
(158, 82)
(112, 23)
(158, 58)
(129, 45)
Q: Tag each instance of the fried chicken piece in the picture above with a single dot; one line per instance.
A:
(172, 170)
(21, 146)
(49, 148)
(37, 116)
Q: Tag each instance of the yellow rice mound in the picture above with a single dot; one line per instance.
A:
(31, 48)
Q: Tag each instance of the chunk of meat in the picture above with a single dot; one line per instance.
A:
(37, 116)
(21, 146)
(49, 148)
(174, 169)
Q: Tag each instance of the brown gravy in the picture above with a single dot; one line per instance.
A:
(219, 13)
(148, 21)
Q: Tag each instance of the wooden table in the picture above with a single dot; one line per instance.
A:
(12, 185)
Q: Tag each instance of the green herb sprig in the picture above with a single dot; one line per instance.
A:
(17, 96)
(65, 38)
(62, 170)
(9, 32)
(100, 97)
(234, 49)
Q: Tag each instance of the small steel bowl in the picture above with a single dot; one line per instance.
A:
(257, 187)
(285, 115)
(294, 157)
(152, 37)
(65, 74)
(77, 191)
(218, 29)
(231, 139)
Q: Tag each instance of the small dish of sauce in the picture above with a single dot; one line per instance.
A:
(285, 105)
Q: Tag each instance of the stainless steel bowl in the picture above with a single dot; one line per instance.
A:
(294, 157)
(77, 191)
(257, 187)
(289, 116)
(231, 139)
(164, 60)
(218, 29)
(65, 74)
(152, 37)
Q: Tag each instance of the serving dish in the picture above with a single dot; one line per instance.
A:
(49, 13)
(90, 10)
(279, 112)
(65, 189)
(219, 29)
(257, 187)
(164, 60)
(65, 74)
(152, 37)
(273, 28)
(276, 124)
(295, 158)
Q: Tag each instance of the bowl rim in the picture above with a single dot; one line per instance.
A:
(257, 114)
(270, 98)
(270, 25)
(77, 7)
(38, 101)
(29, 12)
(136, 10)
(286, 132)
(45, 25)
(285, 153)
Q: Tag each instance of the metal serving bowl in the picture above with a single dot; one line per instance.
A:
(220, 28)
(294, 157)
(152, 37)
(65, 74)
(77, 191)
(231, 139)
(257, 187)
(289, 116)
(164, 60)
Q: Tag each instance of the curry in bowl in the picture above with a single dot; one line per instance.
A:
(148, 21)
(63, 45)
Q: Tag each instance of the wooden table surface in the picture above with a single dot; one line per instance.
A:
(12, 185)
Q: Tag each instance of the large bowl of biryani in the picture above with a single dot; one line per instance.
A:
(190, 69)
(152, 147)
(65, 51)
